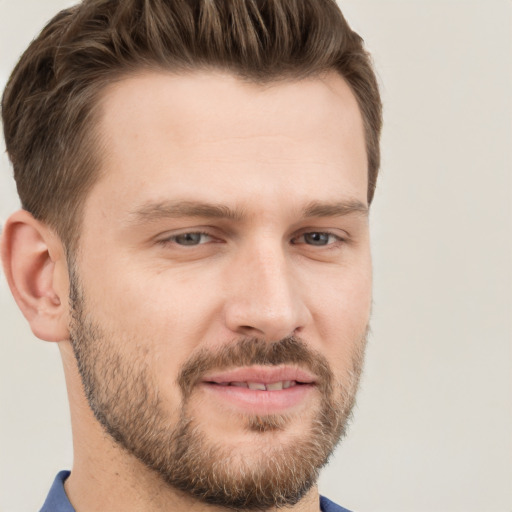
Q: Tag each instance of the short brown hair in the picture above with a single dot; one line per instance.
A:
(48, 106)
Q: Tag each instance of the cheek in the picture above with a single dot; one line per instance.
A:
(142, 299)
(163, 315)
(342, 315)
(344, 298)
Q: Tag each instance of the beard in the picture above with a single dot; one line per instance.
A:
(123, 394)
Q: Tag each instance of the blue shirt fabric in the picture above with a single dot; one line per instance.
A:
(57, 501)
(328, 506)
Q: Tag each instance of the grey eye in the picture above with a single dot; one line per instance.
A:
(189, 238)
(317, 238)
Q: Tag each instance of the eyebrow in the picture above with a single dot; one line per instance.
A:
(155, 211)
(169, 209)
(336, 209)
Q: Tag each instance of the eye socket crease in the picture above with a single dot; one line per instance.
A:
(159, 211)
(318, 239)
(189, 239)
(314, 238)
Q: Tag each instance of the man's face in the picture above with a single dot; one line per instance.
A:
(222, 287)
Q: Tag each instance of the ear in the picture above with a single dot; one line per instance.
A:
(35, 266)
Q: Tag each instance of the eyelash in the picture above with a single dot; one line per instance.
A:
(337, 239)
(172, 239)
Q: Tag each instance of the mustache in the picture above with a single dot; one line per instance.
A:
(255, 351)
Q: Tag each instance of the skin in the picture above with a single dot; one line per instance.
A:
(265, 152)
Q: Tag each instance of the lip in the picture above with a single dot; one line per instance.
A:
(263, 374)
(259, 401)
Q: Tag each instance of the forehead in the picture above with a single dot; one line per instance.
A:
(205, 132)
(197, 96)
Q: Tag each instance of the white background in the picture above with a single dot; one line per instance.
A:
(433, 426)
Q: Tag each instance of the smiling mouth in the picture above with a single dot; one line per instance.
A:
(261, 378)
(260, 389)
(260, 386)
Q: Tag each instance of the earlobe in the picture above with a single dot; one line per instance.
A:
(33, 259)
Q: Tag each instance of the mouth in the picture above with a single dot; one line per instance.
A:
(261, 386)
(260, 389)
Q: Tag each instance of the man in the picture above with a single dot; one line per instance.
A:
(195, 179)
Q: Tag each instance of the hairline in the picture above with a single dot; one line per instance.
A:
(97, 143)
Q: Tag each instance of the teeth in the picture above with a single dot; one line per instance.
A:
(259, 386)
(239, 384)
(256, 386)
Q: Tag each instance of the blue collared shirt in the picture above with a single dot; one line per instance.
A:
(57, 500)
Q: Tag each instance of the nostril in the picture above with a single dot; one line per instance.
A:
(249, 330)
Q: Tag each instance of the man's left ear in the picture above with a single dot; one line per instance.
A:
(35, 266)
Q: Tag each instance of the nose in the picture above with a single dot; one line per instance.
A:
(264, 299)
